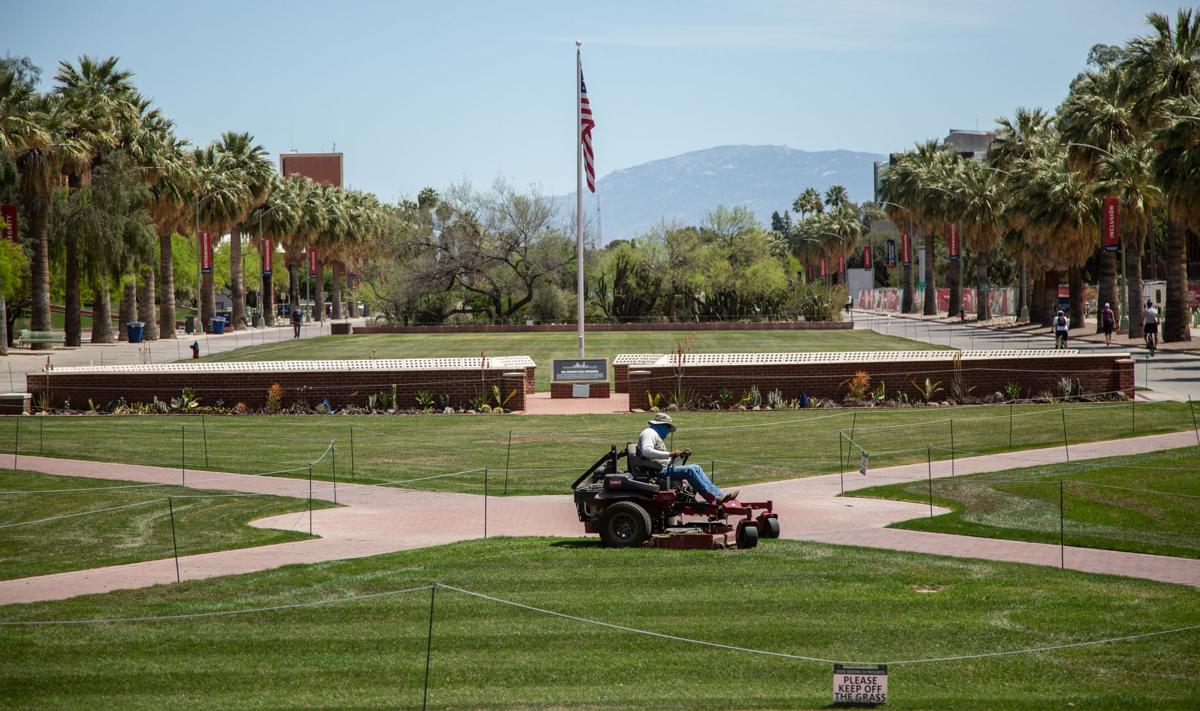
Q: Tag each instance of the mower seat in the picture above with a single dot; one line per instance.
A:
(640, 467)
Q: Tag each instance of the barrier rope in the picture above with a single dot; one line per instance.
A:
(80, 513)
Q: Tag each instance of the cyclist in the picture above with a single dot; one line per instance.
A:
(1150, 318)
(1061, 329)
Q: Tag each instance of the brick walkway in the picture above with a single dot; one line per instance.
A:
(543, 404)
(377, 520)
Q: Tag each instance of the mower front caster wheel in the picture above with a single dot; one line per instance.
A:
(768, 527)
(624, 524)
(747, 536)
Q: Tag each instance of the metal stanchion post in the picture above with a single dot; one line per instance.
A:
(507, 460)
(204, 430)
(41, 435)
(333, 466)
(1062, 555)
(16, 440)
(429, 646)
(485, 500)
(1066, 446)
(174, 542)
(952, 472)
(183, 454)
(929, 471)
(1010, 423)
(1192, 409)
(310, 526)
(352, 470)
(841, 466)
(712, 470)
(853, 426)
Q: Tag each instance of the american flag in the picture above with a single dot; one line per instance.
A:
(586, 124)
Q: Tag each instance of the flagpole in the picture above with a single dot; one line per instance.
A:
(579, 197)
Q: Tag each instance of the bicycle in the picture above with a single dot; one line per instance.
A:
(1060, 340)
(1152, 341)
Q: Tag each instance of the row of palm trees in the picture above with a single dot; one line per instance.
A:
(95, 123)
(1129, 129)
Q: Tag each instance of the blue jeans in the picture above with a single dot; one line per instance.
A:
(694, 475)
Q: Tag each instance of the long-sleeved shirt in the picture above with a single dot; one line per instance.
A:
(652, 447)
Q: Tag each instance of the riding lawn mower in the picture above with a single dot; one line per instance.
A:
(642, 505)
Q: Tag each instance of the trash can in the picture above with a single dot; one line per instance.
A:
(189, 325)
(258, 321)
(218, 326)
(135, 330)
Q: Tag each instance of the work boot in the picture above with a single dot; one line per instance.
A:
(729, 497)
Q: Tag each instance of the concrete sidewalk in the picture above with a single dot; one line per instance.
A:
(377, 519)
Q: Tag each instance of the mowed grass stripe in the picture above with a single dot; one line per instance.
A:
(816, 600)
(548, 452)
(545, 347)
(1023, 504)
(127, 535)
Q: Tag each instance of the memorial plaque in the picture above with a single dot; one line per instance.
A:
(859, 686)
(580, 370)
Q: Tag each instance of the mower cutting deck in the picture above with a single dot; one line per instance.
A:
(643, 506)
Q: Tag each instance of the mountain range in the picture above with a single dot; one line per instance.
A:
(684, 187)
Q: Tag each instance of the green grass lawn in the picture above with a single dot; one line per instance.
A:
(141, 532)
(1023, 504)
(807, 599)
(545, 347)
(548, 452)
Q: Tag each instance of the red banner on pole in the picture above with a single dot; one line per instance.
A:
(268, 256)
(312, 261)
(867, 256)
(905, 249)
(9, 212)
(842, 264)
(952, 242)
(206, 252)
(822, 267)
(1112, 240)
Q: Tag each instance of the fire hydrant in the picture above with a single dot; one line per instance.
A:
(195, 349)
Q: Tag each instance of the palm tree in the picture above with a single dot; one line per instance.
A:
(276, 219)
(170, 209)
(1164, 70)
(34, 136)
(221, 199)
(101, 100)
(250, 162)
(808, 203)
(976, 206)
(1030, 134)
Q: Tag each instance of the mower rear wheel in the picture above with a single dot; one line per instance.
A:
(747, 536)
(624, 524)
(768, 527)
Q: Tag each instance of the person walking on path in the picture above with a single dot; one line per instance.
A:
(297, 319)
(1061, 329)
(1108, 321)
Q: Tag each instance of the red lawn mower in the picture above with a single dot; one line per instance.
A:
(643, 506)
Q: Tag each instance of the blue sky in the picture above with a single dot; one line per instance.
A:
(420, 94)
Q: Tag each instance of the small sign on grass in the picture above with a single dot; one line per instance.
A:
(859, 686)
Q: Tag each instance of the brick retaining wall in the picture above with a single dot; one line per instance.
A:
(602, 327)
(825, 375)
(346, 382)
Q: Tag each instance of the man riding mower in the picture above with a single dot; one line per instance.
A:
(647, 501)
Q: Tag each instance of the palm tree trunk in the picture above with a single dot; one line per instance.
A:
(1035, 293)
(268, 295)
(1022, 291)
(1108, 293)
(102, 330)
(983, 309)
(39, 225)
(72, 323)
(237, 287)
(166, 303)
(319, 292)
(145, 304)
(337, 290)
(128, 307)
(1134, 243)
(954, 280)
(1177, 321)
(294, 285)
(1076, 299)
(931, 308)
(906, 296)
(1050, 297)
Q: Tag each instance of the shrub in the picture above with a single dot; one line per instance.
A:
(275, 397)
(859, 386)
(1012, 390)
(817, 302)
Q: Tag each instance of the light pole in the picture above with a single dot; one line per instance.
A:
(200, 261)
